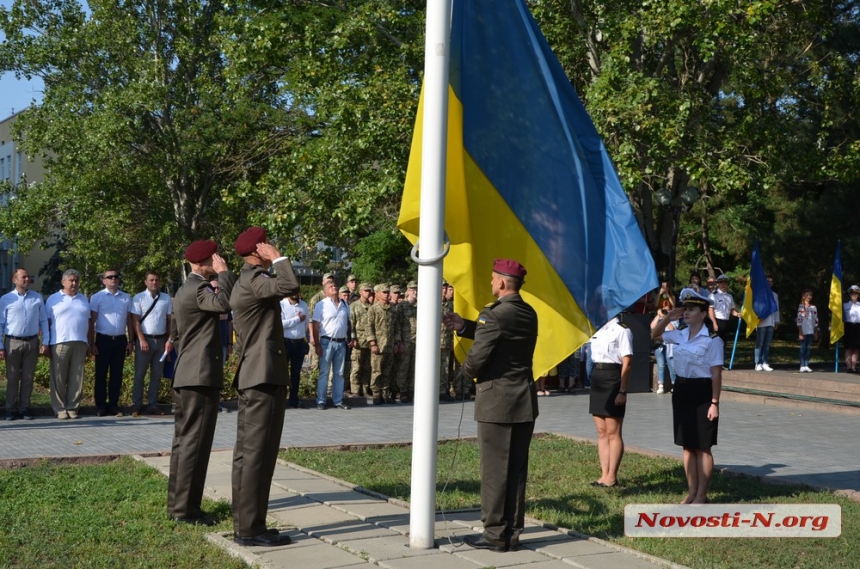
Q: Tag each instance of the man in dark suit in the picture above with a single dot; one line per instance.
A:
(198, 378)
(500, 360)
(261, 378)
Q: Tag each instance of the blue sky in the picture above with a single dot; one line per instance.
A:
(15, 94)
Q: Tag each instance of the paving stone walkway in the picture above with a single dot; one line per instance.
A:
(334, 525)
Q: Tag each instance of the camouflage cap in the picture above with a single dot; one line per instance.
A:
(382, 287)
(344, 288)
(365, 286)
(396, 288)
(444, 282)
(412, 284)
(328, 276)
(351, 278)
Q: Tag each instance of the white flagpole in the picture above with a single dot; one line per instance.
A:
(425, 426)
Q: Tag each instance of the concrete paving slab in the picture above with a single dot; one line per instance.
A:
(571, 548)
(493, 559)
(438, 561)
(312, 486)
(315, 556)
(534, 534)
(370, 512)
(556, 564)
(311, 517)
(613, 560)
(290, 502)
(381, 548)
(351, 532)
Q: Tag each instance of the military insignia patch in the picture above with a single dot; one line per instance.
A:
(482, 320)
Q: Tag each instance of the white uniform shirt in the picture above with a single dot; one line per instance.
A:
(611, 343)
(155, 323)
(333, 320)
(111, 311)
(724, 303)
(852, 312)
(294, 327)
(68, 317)
(695, 356)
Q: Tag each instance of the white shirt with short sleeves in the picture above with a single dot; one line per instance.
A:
(111, 311)
(695, 356)
(155, 323)
(852, 312)
(333, 320)
(611, 343)
(68, 317)
(724, 303)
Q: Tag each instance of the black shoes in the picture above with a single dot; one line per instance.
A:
(269, 538)
(201, 521)
(478, 542)
(321, 407)
(342, 406)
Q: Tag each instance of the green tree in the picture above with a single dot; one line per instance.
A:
(356, 68)
(383, 256)
(142, 128)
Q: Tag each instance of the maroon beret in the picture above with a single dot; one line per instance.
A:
(199, 251)
(247, 241)
(510, 268)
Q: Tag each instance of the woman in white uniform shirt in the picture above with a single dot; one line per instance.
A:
(612, 351)
(696, 395)
(851, 320)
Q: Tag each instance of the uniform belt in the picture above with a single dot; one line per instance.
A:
(341, 340)
(155, 336)
(684, 380)
(602, 365)
(118, 337)
(294, 341)
(23, 338)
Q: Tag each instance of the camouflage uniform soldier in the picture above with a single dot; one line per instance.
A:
(459, 383)
(409, 320)
(359, 373)
(352, 284)
(384, 335)
(447, 343)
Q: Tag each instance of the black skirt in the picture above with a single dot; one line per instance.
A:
(691, 399)
(605, 385)
(852, 336)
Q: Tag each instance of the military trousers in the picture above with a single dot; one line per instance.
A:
(406, 370)
(193, 433)
(444, 359)
(504, 450)
(382, 374)
(359, 373)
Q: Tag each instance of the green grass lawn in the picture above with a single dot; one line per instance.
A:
(104, 515)
(559, 493)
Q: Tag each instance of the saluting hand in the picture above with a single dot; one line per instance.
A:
(675, 313)
(267, 251)
(219, 265)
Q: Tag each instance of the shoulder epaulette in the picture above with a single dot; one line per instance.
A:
(623, 325)
(489, 305)
(714, 335)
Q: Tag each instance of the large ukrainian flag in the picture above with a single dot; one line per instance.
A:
(528, 178)
(837, 326)
(758, 297)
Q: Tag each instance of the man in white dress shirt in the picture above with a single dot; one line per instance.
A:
(109, 308)
(69, 320)
(330, 329)
(294, 317)
(22, 317)
(151, 316)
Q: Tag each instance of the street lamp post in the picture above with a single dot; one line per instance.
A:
(676, 204)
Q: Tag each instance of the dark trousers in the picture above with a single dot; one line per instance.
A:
(296, 352)
(260, 421)
(110, 358)
(504, 451)
(723, 331)
(193, 432)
